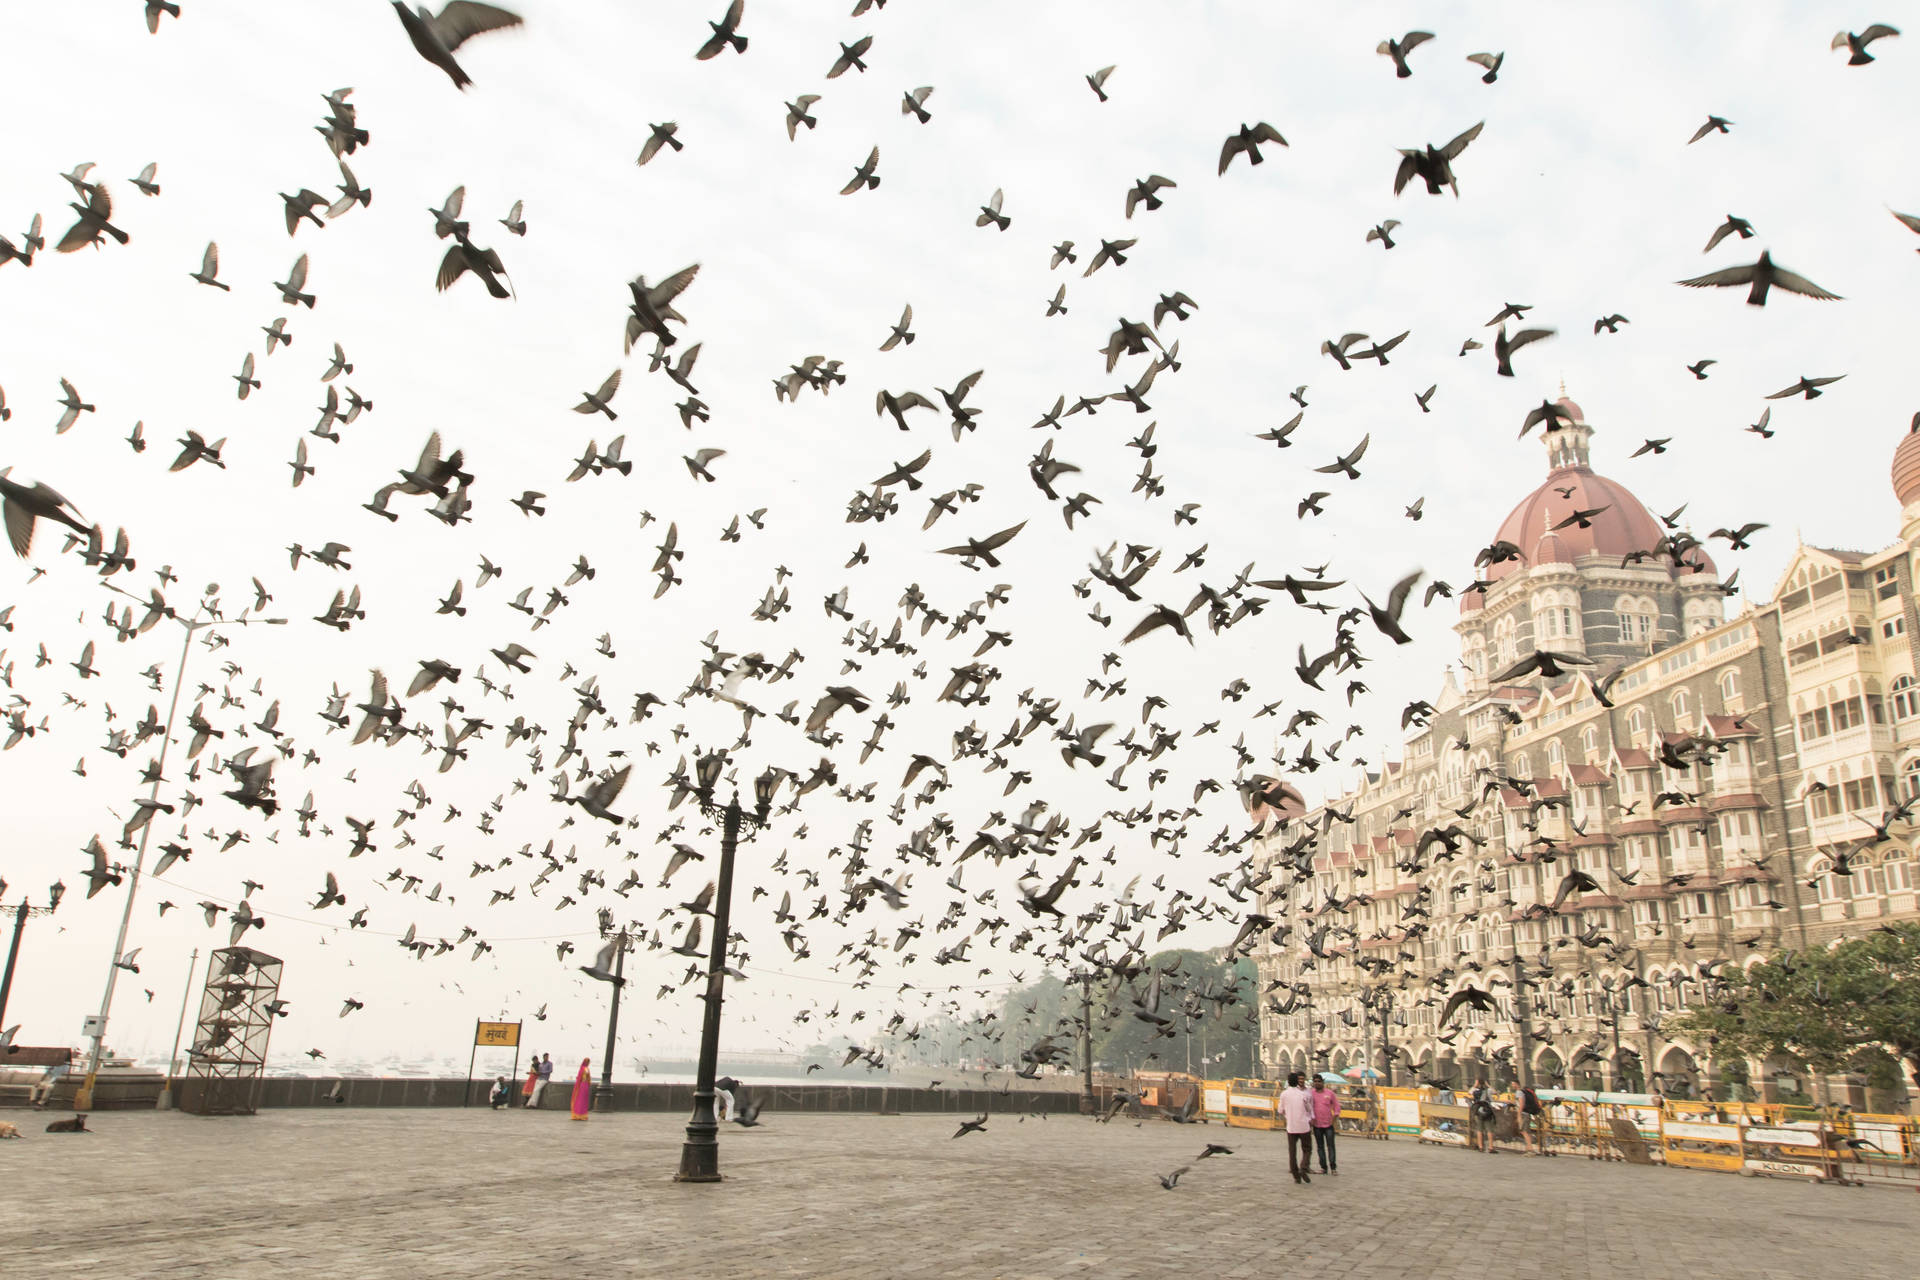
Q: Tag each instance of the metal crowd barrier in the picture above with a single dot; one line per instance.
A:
(1749, 1138)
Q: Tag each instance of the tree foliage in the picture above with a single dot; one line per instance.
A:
(1208, 1004)
(1830, 1008)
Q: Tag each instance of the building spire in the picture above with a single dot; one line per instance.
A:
(1567, 442)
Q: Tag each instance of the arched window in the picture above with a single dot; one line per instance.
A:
(1590, 742)
(1637, 725)
(1730, 689)
(1682, 708)
(1831, 888)
(1638, 616)
(1906, 698)
(1911, 777)
(1555, 757)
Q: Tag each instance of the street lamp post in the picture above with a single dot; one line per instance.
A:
(1523, 1031)
(1366, 1038)
(1310, 1046)
(1089, 1102)
(700, 1154)
(1386, 1044)
(173, 1058)
(97, 1026)
(21, 914)
(603, 1094)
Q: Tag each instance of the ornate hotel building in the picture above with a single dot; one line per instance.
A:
(1739, 754)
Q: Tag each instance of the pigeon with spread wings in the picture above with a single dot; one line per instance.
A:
(435, 37)
(1761, 276)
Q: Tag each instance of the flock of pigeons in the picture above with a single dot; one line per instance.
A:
(872, 839)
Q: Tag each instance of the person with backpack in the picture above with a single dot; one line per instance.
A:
(1533, 1120)
(1480, 1116)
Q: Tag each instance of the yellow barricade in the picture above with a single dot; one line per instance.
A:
(1213, 1098)
(1399, 1108)
(1878, 1147)
(1361, 1117)
(1253, 1104)
(1797, 1150)
(1695, 1143)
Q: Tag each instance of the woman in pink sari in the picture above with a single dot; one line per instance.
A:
(582, 1090)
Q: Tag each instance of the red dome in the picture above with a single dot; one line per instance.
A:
(1551, 549)
(1623, 527)
(1906, 468)
(1574, 411)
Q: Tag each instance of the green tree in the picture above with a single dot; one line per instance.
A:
(1830, 1008)
(1199, 1027)
(1209, 1005)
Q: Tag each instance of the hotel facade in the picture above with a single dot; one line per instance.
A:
(1743, 749)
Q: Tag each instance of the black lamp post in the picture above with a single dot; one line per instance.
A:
(21, 914)
(1523, 1027)
(603, 1092)
(1610, 1007)
(1089, 1101)
(1379, 1004)
(700, 1154)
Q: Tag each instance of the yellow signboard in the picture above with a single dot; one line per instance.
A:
(499, 1035)
(1725, 1162)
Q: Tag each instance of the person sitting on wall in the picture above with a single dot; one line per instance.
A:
(43, 1088)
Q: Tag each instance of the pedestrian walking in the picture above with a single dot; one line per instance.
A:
(1533, 1121)
(497, 1096)
(1296, 1108)
(1480, 1116)
(1326, 1117)
(582, 1089)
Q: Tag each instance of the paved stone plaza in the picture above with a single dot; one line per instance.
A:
(422, 1194)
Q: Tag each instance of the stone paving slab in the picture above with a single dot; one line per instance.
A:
(431, 1194)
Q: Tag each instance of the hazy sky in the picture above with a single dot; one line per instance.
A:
(1581, 197)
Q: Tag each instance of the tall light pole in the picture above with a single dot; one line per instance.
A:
(1089, 1102)
(700, 1154)
(97, 1026)
(21, 914)
(603, 1095)
(173, 1058)
(1522, 1027)
(1386, 1043)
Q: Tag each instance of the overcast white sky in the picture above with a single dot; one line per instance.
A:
(1581, 197)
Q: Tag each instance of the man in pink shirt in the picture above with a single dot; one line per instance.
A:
(1326, 1115)
(1296, 1109)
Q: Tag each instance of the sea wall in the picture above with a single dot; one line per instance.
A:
(365, 1091)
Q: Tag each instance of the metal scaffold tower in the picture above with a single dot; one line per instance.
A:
(230, 1039)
